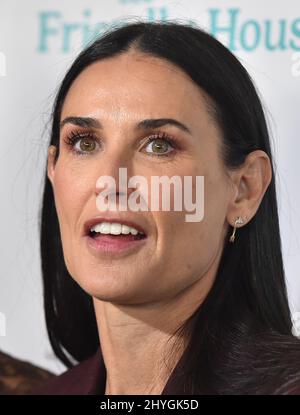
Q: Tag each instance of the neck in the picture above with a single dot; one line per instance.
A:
(138, 343)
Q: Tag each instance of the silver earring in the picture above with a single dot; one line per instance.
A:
(238, 221)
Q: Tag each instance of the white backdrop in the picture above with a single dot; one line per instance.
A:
(38, 41)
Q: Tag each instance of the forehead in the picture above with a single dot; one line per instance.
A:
(134, 85)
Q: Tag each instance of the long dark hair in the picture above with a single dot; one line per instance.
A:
(241, 334)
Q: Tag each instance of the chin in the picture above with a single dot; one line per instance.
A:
(110, 286)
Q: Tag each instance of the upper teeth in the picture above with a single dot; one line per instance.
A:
(114, 229)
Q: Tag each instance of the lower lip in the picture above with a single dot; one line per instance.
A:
(109, 244)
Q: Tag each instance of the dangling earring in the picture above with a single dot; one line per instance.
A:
(238, 221)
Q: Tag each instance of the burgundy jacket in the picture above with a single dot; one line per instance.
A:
(89, 378)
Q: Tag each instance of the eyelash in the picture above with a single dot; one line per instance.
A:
(75, 136)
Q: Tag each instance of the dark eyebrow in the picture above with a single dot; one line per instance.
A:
(141, 125)
(81, 122)
(159, 122)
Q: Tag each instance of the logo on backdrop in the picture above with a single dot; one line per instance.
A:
(237, 31)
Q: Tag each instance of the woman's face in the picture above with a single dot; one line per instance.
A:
(120, 92)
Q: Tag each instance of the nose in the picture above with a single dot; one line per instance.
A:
(114, 172)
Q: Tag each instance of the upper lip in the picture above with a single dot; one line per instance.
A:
(112, 219)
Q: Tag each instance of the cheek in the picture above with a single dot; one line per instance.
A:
(70, 193)
(71, 189)
(70, 186)
(216, 199)
(190, 248)
(192, 245)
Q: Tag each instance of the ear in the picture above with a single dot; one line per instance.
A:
(51, 163)
(250, 184)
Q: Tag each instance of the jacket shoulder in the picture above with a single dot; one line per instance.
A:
(83, 379)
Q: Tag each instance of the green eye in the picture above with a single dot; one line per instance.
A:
(86, 145)
(159, 146)
(82, 143)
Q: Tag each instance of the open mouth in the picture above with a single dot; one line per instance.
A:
(114, 236)
(128, 237)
